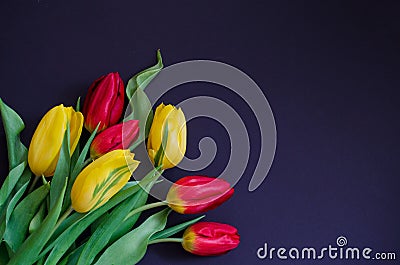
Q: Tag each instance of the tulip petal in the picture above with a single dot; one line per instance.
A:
(197, 194)
(104, 102)
(176, 144)
(46, 142)
(210, 239)
(101, 179)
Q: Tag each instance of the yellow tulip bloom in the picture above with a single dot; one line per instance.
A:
(102, 179)
(176, 144)
(45, 146)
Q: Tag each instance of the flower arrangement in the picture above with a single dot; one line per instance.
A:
(69, 202)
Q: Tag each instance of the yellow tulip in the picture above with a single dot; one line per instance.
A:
(102, 179)
(176, 144)
(45, 146)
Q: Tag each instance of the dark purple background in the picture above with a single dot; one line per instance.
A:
(330, 70)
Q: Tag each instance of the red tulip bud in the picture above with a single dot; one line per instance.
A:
(210, 239)
(104, 102)
(119, 136)
(197, 194)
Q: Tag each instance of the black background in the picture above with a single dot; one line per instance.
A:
(330, 70)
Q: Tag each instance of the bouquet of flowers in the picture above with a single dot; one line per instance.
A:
(65, 201)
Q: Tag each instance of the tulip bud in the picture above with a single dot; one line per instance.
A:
(118, 136)
(104, 102)
(102, 179)
(198, 194)
(176, 143)
(45, 146)
(210, 239)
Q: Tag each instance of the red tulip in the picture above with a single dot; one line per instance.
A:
(197, 194)
(118, 136)
(210, 239)
(104, 102)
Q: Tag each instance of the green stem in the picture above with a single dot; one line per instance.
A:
(145, 207)
(166, 240)
(44, 180)
(63, 217)
(35, 180)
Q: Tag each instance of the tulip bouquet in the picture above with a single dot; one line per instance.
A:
(70, 201)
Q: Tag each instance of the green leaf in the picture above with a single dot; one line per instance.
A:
(65, 240)
(139, 104)
(175, 229)
(62, 170)
(25, 178)
(28, 253)
(141, 110)
(17, 152)
(70, 220)
(74, 159)
(78, 104)
(75, 155)
(127, 224)
(13, 126)
(77, 169)
(9, 184)
(37, 220)
(143, 78)
(100, 238)
(80, 163)
(131, 248)
(159, 157)
(17, 226)
(72, 258)
(15, 200)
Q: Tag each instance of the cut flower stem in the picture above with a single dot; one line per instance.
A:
(166, 240)
(145, 207)
(63, 217)
(35, 180)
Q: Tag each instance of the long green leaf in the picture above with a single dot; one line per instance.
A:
(17, 152)
(74, 157)
(127, 225)
(13, 202)
(131, 248)
(70, 220)
(159, 157)
(79, 164)
(143, 78)
(17, 226)
(78, 104)
(62, 170)
(140, 107)
(26, 177)
(9, 183)
(13, 126)
(170, 231)
(100, 238)
(64, 241)
(77, 151)
(28, 253)
(5, 216)
(37, 220)
(142, 111)
(72, 258)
